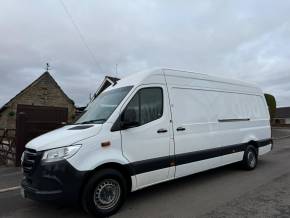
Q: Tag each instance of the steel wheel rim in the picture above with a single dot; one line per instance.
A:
(107, 194)
(251, 159)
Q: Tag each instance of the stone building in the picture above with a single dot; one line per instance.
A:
(44, 91)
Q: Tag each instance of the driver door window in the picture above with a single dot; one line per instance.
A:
(147, 105)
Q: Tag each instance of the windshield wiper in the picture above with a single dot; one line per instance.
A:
(92, 121)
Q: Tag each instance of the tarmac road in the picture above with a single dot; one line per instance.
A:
(224, 192)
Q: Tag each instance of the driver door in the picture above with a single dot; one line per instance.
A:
(146, 144)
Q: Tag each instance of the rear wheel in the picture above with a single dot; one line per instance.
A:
(105, 193)
(250, 159)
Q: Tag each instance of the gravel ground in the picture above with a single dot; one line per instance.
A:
(269, 200)
(278, 132)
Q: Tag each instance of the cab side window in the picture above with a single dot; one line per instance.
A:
(145, 106)
(151, 104)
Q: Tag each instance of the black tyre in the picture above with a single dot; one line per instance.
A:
(104, 193)
(250, 159)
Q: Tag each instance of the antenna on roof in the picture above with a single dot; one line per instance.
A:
(116, 70)
(47, 67)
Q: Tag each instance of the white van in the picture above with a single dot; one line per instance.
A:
(148, 128)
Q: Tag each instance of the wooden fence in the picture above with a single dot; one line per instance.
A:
(7, 146)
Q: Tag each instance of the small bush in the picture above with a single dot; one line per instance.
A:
(11, 114)
(271, 102)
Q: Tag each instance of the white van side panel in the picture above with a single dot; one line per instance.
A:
(215, 115)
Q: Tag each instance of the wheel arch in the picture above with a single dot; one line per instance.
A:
(255, 144)
(123, 169)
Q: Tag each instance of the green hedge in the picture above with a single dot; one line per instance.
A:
(271, 102)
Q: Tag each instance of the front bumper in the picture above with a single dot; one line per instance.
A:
(57, 181)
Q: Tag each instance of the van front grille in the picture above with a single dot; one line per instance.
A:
(29, 161)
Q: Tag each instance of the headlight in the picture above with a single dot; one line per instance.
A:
(60, 153)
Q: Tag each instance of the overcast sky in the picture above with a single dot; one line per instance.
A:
(247, 40)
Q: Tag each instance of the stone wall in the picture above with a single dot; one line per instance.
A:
(44, 92)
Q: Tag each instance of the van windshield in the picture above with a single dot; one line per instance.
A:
(103, 106)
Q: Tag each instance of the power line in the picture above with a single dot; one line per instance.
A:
(82, 38)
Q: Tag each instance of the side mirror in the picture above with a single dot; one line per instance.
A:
(129, 119)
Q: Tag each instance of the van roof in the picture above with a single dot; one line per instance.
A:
(213, 77)
(138, 77)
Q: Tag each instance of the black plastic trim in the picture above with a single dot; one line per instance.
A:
(233, 120)
(144, 166)
(161, 130)
(208, 153)
(179, 159)
(265, 142)
(80, 127)
(180, 128)
(56, 181)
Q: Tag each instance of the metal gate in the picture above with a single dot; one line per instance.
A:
(32, 121)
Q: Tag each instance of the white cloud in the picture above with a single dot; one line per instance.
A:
(246, 40)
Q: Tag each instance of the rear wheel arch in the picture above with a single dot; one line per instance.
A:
(255, 145)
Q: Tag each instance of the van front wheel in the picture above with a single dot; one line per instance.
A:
(250, 159)
(105, 193)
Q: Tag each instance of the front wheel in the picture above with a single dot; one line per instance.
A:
(105, 193)
(250, 159)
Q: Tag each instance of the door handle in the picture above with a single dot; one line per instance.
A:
(180, 129)
(161, 130)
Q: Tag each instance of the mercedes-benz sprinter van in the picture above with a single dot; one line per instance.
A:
(148, 128)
